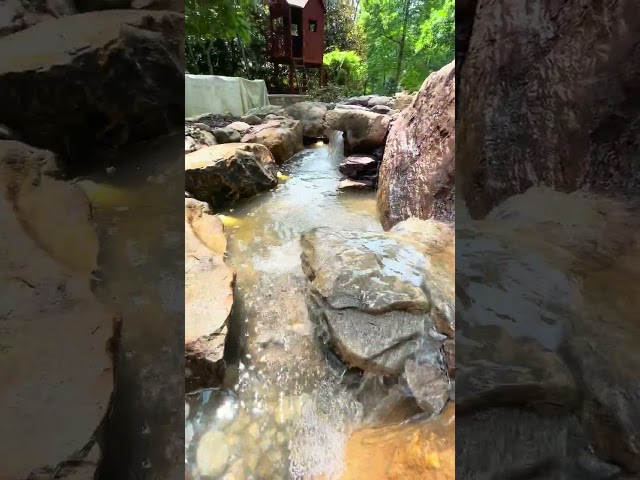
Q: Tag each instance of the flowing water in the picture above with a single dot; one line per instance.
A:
(139, 215)
(286, 413)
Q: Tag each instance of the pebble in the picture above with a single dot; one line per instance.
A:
(213, 454)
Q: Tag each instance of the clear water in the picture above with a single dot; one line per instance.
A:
(291, 415)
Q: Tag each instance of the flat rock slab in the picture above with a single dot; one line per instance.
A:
(49, 410)
(371, 294)
(209, 284)
(129, 63)
(348, 184)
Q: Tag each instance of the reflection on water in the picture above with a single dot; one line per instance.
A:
(294, 415)
(139, 215)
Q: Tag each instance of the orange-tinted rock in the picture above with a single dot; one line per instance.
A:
(208, 292)
(417, 175)
(424, 451)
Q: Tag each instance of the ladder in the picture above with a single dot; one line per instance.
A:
(301, 77)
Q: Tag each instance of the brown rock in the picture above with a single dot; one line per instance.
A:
(417, 174)
(348, 184)
(283, 138)
(356, 165)
(422, 451)
(223, 174)
(365, 131)
(208, 292)
(553, 112)
(101, 51)
(56, 335)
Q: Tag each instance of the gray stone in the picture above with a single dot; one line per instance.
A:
(251, 119)
(311, 115)
(370, 294)
(226, 135)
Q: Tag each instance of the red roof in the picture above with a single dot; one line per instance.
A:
(302, 3)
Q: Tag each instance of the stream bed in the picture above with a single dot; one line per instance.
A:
(285, 411)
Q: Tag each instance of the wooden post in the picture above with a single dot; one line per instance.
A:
(291, 73)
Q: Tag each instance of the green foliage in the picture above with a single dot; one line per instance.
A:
(401, 48)
(371, 46)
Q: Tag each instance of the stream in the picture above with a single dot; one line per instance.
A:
(286, 411)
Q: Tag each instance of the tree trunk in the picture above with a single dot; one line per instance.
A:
(209, 62)
(402, 42)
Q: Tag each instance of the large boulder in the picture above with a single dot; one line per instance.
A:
(553, 112)
(109, 80)
(375, 296)
(57, 336)
(365, 131)
(209, 283)
(283, 138)
(223, 174)
(311, 115)
(417, 175)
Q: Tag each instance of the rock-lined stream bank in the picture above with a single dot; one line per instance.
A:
(305, 380)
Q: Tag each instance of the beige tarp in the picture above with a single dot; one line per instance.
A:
(212, 94)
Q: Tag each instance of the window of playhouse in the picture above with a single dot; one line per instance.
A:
(294, 30)
(313, 26)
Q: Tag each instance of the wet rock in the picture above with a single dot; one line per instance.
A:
(371, 294)
(262, 112)
(50, 250)
(223, 174)
(213, 454)
(348, 184)
(209, 283)
(427, 378)
(98, 51)
(311, 115)
(241, 127)
(283, 138)
(356, 166)
(251, 119)
(227, 135)
(383, 109)
(592, 145)
(418, 168)
(365, 131)
(449, 350)
(424, 451)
